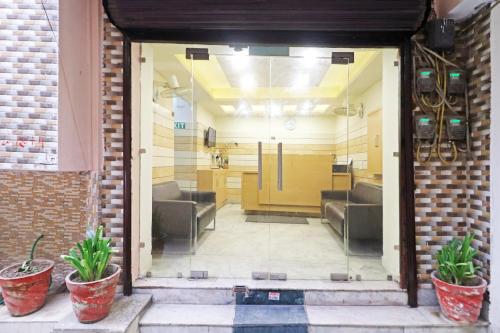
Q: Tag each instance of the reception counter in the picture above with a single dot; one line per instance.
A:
(304, 177)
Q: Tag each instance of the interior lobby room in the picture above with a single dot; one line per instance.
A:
(267, 162)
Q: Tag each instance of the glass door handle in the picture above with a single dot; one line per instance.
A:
(280, 167)
(259, 165)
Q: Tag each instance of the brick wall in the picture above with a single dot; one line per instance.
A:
(28, 84)
(454, 199)
(51, 203)
(112, 176)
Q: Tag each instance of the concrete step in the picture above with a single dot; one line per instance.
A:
(183, 318)
(320, 292)
(123, 318)
(57, 317)
(43, 321)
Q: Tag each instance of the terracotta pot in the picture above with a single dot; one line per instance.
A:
(92, 301)
(460, 303)
(26, 294)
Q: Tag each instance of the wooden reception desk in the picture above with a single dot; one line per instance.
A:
(304, 177)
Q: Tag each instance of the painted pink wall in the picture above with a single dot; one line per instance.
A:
(80, 139)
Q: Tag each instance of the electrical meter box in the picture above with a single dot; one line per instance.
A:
(441, 34)
(426, 80)
(425, 126)
(456, 127)
(456, 82)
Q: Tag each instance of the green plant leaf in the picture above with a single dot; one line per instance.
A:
(93, 256)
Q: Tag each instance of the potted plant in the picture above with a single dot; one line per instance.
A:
(459, 290)
(92, 285)
(25, 285)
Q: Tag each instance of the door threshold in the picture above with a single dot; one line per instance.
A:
(305, 285)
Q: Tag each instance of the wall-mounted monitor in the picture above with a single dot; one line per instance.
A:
(210, 137)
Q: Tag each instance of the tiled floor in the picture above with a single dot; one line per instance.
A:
(237, 248)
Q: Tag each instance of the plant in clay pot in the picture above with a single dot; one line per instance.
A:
(92, 285)
(25, 285)
(459, 290)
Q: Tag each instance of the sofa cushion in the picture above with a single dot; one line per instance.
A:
(367, 193)
(166, 191)
(203, 208)
(335, 209)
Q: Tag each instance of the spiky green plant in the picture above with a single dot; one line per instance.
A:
(455, 261)
(26, 266)
(92, 257)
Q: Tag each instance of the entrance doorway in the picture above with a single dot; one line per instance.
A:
(268, 162)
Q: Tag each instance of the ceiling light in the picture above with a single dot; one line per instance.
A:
(306, 108)
(248, 83)
(244, 109)
(310, 57)
(321, 108)
(274, 109)
(259, 108)
(228, 108)
(240, 59)
(301, 81)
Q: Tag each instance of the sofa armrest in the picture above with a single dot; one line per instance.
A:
(364, 221)
(177, 217)
(334, 195)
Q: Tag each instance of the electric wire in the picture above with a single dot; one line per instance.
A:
(439, 104)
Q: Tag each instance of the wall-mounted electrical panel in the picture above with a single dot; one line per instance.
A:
(425, 126)
(456, 82)
(456, 128)
(426, 80)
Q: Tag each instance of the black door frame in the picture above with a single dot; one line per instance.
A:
(400, 40)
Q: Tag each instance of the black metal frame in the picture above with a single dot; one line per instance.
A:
(400, 40)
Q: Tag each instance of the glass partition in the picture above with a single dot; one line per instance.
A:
(236, 243)
(269, 163)
(373, 146)
(306, 193)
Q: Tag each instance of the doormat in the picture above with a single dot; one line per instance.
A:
(276, 219)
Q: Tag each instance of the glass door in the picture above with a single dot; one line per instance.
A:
(309, 162)
(235, 244)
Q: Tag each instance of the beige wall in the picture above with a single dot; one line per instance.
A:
(163, 143)
(351, 134)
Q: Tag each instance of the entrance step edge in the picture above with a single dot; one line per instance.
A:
(185, 318)
(325, 293)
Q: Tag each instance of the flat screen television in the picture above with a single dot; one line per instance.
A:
(210, 137)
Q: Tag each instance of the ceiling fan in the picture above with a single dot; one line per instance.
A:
(353, 110)
(169, 89)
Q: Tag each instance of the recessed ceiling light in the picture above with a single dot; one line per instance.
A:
(274, 109)
(248, 83)
(259, 108)
(301, 81)
(321, 108)
(310, 57)
(228, 108)
(244, 109)
(306, 108)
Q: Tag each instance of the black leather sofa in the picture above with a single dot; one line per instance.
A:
(183, 215)
(361, 207)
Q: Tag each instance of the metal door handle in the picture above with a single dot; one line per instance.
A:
(280, 166)
(259, 156)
